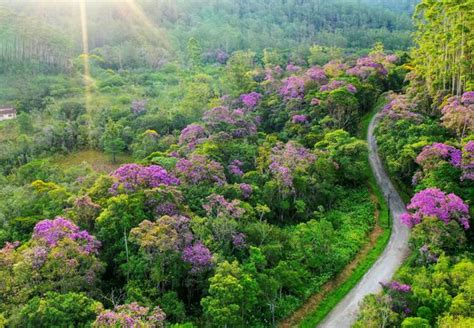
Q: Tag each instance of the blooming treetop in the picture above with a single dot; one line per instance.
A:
(131, 316)
(134, 176)
(432, 154)
(52, 231)
(435, 203)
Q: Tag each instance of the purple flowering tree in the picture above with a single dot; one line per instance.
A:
(292, 68)
(234, 122)
(293, 88)
(333, 85)
(235, 167)
(399, 296)
(59, 257)
(246, 190)
(50, 232)
(192, 135)
(200, 169)
(432, 154)
(433, 202)
(130, 177)
(198, 256)
(131, 316)
(299, 119)
(250, 100)
(316, 74)
(285, 160)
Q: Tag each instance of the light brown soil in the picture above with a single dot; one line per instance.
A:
(313, 302)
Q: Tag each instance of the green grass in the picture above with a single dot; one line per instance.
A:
(99, 161)
(334, 297)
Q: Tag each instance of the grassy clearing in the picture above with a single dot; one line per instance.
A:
(99, 161)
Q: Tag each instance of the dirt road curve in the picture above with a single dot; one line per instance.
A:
(345, 313)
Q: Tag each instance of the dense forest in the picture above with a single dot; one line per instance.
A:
(125, 37)
(198, 163)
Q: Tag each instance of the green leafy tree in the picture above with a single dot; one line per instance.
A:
(58, 310)
(112, 139)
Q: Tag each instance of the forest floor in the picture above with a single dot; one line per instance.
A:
(314, 301)
(99, 161)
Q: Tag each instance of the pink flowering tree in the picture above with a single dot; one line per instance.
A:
(432, 154)
(467, 164)
(192, 135)
(458, 114)
(371, 65)
(433, 202)
(131, 316)
(316, 74)
(444, 166)
(400, 107)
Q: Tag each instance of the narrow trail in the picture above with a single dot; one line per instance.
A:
(345, 313)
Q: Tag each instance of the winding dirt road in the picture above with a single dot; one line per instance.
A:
(345, 313)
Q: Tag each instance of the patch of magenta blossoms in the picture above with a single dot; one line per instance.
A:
(467, 164)
(235, 122)
(286, 159)
(368, 66)
(199, 168)
(191, 135)
(131, 316)
(199, 256)
(400, 108)
(317, 74)
(246, 190)
(299, 119)
(397, 286)
(292, 68)
(351, 88)
(433, 202)
(52, 231)
(458, 114)
(293, 88)
(218, 206)
(432, 154)
(131, 177)
(235, 167)
(238, 240)
(251, 99)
